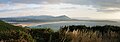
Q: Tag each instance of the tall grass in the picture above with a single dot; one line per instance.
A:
(89, 34)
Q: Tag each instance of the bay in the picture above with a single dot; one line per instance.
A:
(57, 25)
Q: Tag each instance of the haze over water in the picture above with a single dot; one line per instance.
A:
(57, 25)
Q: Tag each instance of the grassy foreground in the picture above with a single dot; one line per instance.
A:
(74, 33)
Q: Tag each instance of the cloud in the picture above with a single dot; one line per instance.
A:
(4, 1)
(109, 10)
(71, 10)
(17, 6)
(2, 5)
(21, 1)
(101, 5)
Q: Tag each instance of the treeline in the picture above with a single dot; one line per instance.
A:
(73, 33)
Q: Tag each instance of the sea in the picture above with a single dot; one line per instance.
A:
(56, 25)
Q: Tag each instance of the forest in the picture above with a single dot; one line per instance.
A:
(73, 33)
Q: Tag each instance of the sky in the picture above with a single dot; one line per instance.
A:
(96, 9)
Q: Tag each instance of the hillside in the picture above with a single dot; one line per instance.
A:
(10, 33)
(73, 33)
(6, 26)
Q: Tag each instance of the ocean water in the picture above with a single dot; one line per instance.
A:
(57, 25)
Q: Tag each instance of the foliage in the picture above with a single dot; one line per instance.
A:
(10, 33)
(73, 33)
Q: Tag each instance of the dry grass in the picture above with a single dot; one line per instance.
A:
(90, 36)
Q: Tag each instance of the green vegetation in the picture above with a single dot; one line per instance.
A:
(5, 26)
(74, 33)
(10, 33)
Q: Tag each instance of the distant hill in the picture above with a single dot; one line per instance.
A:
(43, 18)
(46, 18)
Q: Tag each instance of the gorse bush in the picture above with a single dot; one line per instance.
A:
(10, 33)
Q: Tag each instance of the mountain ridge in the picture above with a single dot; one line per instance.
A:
(47, 18)
(42, 18)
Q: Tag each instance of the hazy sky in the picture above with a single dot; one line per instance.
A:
(98, 9)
